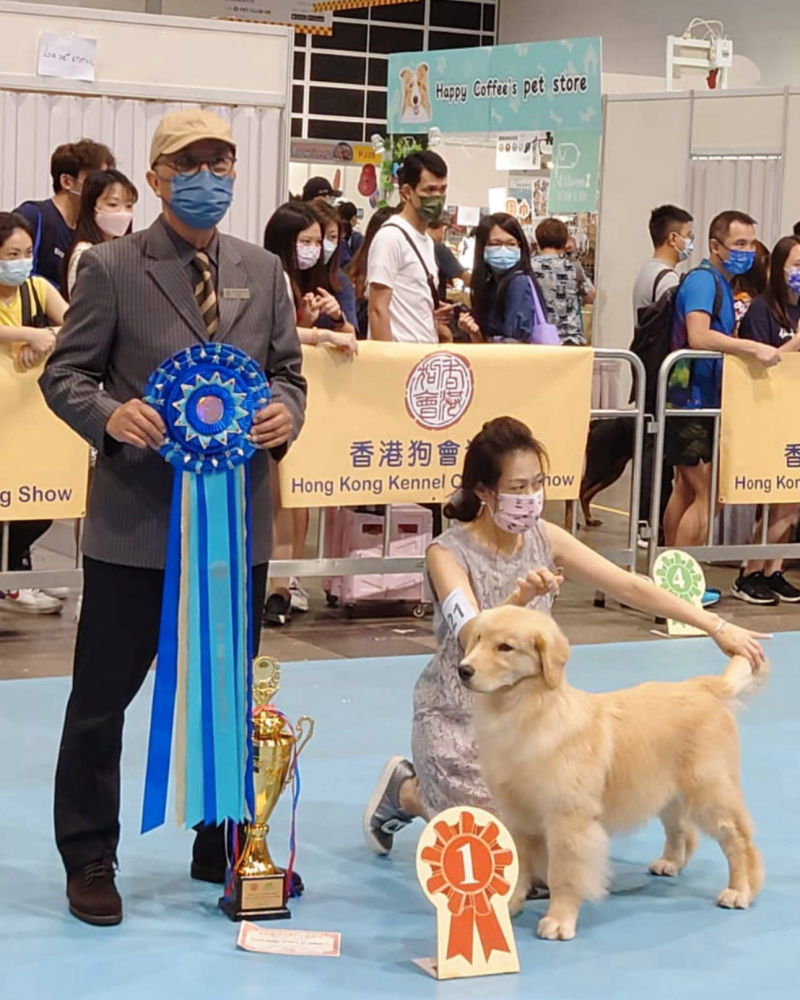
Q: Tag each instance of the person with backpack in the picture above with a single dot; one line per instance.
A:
(31, 310)
(673, 242)
(53, 220)
(703, 319)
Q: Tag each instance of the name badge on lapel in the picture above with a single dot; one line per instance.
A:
(236, 293)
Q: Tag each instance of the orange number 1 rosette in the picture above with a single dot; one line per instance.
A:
(467, 867)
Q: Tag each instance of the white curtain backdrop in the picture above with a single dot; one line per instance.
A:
(33, 124)
(750, 184)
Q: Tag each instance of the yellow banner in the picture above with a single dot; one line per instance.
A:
(392, 425)
(44, 466)
(760, 432)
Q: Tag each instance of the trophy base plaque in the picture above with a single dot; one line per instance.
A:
(259, 897)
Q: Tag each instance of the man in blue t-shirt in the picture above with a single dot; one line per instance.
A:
(704, 320)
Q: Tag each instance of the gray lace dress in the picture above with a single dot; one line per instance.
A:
(443, 745)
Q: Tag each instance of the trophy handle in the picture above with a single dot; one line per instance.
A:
(304, 730)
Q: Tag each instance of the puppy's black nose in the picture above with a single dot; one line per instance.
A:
(465, 672)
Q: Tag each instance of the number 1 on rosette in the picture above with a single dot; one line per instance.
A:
(207, 396)
(467, 866)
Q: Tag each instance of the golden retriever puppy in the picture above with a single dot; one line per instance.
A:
(567, 768)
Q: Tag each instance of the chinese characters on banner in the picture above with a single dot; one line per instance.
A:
(392, 425)
(760, 433)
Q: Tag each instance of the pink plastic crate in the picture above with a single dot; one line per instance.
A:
(351, 534)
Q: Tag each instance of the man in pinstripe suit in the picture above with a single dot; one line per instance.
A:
(137, 301)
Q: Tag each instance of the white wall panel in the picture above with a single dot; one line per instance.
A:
(645, 161)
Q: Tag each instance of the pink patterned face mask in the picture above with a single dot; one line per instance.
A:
(518, 512)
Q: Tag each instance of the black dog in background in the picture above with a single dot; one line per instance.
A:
(609, 448)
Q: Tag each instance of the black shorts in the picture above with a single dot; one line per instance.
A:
(687, 441)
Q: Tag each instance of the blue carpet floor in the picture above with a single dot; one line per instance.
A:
(651, 938)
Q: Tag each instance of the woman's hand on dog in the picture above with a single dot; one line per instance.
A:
(736, 641)
(536, 583)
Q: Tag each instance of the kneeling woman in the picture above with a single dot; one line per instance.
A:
(501, 552)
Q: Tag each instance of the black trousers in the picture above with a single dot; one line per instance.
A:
(117, 641)
(21, 535)
(646, 492)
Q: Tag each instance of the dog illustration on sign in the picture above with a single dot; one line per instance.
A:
(416, 95)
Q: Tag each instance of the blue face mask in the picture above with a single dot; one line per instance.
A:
(793, 279)
(502, 258)
(201, 201)
(13, 273)
(739, 261)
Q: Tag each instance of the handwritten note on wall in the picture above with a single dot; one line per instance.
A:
(67, 56)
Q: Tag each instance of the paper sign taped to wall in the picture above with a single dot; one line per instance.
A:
(67, 56)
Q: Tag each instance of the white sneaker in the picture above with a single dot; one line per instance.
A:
(29, 602)
(298, 595)
(62, 593)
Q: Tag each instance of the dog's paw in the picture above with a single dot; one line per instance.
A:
(556, 930)
(733, 899)
(664, 867)
(515, 904)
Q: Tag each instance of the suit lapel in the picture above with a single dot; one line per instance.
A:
(170, 276)
(232, 276)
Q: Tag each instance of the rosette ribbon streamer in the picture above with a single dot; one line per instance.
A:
(207, 396)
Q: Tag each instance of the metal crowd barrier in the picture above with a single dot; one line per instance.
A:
(321, 566)
(709, 552)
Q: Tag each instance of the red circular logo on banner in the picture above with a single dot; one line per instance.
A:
(439, 390)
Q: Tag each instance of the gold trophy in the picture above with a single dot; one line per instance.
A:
(258, 888)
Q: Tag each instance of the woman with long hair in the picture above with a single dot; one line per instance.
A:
(337, 282)
(500, 551)
(106, 213)
(295, 234)
(503, 286)
(358, 266)
(774, 318)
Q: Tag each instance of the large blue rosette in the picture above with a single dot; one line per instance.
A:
(207, 396)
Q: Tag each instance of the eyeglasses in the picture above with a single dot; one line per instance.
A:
(188, 165)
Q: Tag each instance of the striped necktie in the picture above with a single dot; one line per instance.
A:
(205, 293)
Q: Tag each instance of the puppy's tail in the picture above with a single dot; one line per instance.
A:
(740, 680)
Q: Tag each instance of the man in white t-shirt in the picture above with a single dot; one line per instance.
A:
(673, 242)
(403, 278)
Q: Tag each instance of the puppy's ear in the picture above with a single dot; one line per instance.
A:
(553, 649)
(422, 67)
(406, 74)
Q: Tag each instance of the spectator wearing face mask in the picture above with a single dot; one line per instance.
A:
(52, 221)
(503, 287)
(295, 234)
(774, 319)
(30, 312)
(336, 281)
(404, 303)
(749, 286)
(673, 242)
(700, 326)
(106, 213)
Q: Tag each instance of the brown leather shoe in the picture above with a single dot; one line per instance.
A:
(92, 895)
